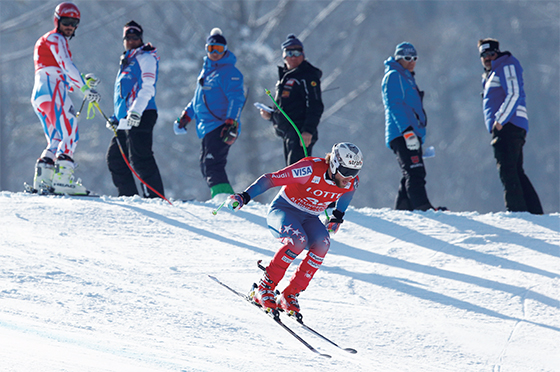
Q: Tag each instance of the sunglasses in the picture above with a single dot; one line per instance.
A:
(488, 53)
(216, 48)
(410, 58)
(293, 53)
(67, 21)
(132, 38)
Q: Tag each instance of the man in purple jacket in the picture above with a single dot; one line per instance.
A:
(505, 114)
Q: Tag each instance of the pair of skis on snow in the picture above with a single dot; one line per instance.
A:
(47, 190)
(276, 317)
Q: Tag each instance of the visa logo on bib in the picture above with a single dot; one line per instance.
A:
(301, 172)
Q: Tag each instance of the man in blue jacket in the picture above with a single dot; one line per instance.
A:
(216, 108)
(505, 115)
(405, 126)
(135, 115)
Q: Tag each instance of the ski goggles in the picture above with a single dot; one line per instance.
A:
(132, 37)
(347, 172)
(69, 21)
(409, 58)
(488, 53)
(216, 48)
(293, 53)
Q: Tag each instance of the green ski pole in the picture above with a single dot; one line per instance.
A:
(290, 120)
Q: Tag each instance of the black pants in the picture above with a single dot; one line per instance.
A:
(213, 158)
(412, 189)
(136, 144)
(293, 151)
(519, 193)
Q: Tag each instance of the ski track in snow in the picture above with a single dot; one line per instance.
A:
(121, 284)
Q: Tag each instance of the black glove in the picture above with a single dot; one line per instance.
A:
(112, 123)
(334, 221)
(229, 131)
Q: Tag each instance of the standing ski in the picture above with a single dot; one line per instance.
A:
(275, 316)
(48, 190)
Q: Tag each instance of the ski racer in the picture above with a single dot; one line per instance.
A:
(55, 74)
(308, 187)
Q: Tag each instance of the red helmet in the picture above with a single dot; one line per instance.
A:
(65, 10)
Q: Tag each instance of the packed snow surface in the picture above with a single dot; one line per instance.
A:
(121, 284)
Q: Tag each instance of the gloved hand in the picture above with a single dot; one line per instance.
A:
(112, 123)
(236, 201)
(334, 221)
(90, 94)
(91, 80)
(229, 131)
(124, 125)
(177, 127)
(412, 142)
(133, 119)
(184, 120)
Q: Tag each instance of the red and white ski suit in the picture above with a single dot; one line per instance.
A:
(55, 74)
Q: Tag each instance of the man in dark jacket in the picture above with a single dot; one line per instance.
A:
(505, 115)
(298, 93)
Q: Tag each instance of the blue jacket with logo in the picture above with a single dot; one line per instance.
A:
(403, 102)
(504, 97)
(135, 86)
(218, 96)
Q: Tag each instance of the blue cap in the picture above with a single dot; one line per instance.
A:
(405, 49)
(292, 41)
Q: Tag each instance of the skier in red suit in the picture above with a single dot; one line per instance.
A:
(308, 188)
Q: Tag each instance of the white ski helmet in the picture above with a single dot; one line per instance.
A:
(346, 159)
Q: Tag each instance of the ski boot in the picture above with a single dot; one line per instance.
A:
(263, 295)
(63, 180)
(288, 302)
(44, 171)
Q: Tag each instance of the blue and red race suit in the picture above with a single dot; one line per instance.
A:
(293, 217)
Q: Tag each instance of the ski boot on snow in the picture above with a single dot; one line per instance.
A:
(44, 172)
(288, 302)
(63, 181)
(263, 295)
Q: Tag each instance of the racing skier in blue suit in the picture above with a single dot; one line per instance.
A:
(216, 108)
(505, 115)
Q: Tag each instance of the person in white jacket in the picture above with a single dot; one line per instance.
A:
(55, 76)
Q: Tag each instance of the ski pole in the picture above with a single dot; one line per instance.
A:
(81, 107)
(215, 211)
(290, 120)
(126, 160)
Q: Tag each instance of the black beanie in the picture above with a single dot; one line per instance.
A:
(132, 28)
(216, 37)
(489, 45)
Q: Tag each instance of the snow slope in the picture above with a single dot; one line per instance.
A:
(121, 284)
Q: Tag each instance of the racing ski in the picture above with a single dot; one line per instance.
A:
(274, 315)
